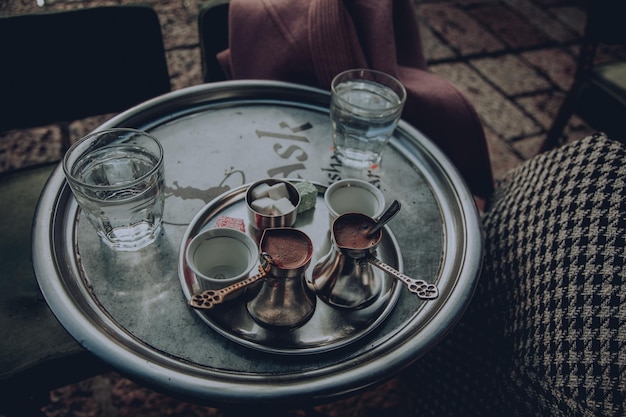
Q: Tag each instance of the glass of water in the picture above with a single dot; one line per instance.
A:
(364, 111)
(116, 176)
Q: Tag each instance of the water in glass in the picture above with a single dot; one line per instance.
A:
(127, 216)
(364, 115)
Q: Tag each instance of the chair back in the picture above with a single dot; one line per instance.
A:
(64, 66)
(605, 22)
(56, 68)
(213, 30)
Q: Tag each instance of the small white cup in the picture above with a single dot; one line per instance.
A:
(221, 257)
(354, 196)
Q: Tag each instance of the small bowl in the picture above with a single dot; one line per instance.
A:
(354, 196)
(262, 221)
(220, 257)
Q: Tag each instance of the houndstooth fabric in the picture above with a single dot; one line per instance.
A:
(546, 331)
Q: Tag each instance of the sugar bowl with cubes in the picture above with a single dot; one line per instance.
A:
(272, 203)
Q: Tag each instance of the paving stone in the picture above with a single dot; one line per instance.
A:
(558, 65)
(27, 147)
(511, 74)
(82, 127)
(179, 23)
(502, 157)
(466, 3)
(542, 20)
(459, 29)
(434, 48)
(543, 106)
(509, 26)
(529, 147)
(185, 67)
(577, 128)
(574, 18)
(495, 110)
(608, 53)
(548, 3)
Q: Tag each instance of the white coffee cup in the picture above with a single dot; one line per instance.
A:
(220, 257)
(354, 196)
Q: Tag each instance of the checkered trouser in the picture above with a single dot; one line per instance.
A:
(545, 334)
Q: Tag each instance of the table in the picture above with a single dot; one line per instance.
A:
(128, 308)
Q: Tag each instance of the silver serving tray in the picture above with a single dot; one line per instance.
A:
(128, 308)
(329, 328)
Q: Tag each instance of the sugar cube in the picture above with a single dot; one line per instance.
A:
(260, 191)
(278, 191)
(263, 205)
(283, 206)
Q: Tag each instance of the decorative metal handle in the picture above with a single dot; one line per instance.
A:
(208, 299)
(419, 287)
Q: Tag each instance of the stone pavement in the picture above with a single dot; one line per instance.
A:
(514, 59)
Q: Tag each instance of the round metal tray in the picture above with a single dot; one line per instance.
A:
(329, 328)
(129, 310)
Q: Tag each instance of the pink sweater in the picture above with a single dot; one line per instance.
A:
(309, 42)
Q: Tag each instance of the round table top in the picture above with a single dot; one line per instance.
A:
(130, 309)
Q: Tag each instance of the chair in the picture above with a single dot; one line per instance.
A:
(56, 68)
(598, 93)
(213, 29)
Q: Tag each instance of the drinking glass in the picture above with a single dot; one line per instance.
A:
(364, 111)
(116, 176)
